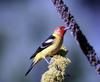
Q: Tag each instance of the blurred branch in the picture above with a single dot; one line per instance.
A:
(77, 33)
(56, 71)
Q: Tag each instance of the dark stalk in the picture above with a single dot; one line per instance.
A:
(70, 22)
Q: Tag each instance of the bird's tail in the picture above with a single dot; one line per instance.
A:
(30, 68)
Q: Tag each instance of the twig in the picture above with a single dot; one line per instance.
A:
(77, 33)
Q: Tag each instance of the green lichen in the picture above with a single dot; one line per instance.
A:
(57, 67)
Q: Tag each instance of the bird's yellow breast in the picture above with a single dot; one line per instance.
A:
(53, 49)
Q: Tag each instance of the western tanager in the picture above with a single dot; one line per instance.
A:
(49, 47)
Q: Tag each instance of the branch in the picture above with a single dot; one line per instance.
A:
(56, 69)
(77, 33)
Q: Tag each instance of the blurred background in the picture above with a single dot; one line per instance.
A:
(24, 24)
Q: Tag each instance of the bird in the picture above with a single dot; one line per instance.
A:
(49, 47)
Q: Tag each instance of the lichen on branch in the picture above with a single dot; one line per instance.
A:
(81, 39)
(57, 67)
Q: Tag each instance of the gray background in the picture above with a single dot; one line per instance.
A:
(24, 24)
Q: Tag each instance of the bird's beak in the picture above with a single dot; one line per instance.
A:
(65, 29)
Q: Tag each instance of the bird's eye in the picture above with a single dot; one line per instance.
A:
(61, 28)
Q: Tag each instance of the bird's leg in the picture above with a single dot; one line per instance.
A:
(46, 60)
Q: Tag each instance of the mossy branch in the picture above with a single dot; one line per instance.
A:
(57, 67)
(70, 22)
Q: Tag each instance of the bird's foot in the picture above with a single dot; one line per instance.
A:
(46, 60)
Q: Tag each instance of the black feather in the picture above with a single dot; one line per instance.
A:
(43, 46)
(31, 66)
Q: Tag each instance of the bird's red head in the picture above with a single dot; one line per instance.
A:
(60, 30)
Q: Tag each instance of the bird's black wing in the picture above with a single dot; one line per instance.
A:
(49, 41)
